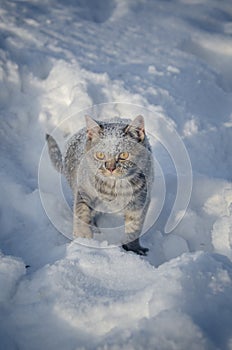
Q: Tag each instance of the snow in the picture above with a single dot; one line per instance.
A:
(169, 61)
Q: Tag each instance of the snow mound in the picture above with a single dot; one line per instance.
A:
(91, 289)
(11, 271)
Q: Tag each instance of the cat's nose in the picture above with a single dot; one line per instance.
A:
(110, 165)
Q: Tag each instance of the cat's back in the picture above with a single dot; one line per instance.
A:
(74, 151)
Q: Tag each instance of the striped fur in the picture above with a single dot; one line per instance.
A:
(121, 185)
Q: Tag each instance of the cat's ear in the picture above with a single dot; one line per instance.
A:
(136, 128)
(93, 128)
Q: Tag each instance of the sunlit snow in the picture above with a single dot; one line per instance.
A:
(172, 62)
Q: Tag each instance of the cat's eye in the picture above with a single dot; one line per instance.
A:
(123, 155)
(100, 155)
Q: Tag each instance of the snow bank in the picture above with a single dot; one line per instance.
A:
(106, 296)
(11, 271)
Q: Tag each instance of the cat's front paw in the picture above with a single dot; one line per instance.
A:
(82, 234)
(136, 249)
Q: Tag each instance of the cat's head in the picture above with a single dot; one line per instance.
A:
(115, 149)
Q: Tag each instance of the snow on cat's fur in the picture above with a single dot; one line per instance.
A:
(109, 167)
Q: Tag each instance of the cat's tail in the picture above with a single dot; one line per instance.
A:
(54, 153)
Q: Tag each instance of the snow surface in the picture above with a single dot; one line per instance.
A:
(60, 60)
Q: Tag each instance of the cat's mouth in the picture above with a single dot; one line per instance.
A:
(112, 170)
(116, 172)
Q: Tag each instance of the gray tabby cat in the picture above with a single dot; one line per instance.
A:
(109, 167)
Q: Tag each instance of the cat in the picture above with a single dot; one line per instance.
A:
(109, 167)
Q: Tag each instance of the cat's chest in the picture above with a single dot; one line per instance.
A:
(112, 195)
(112, 188)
